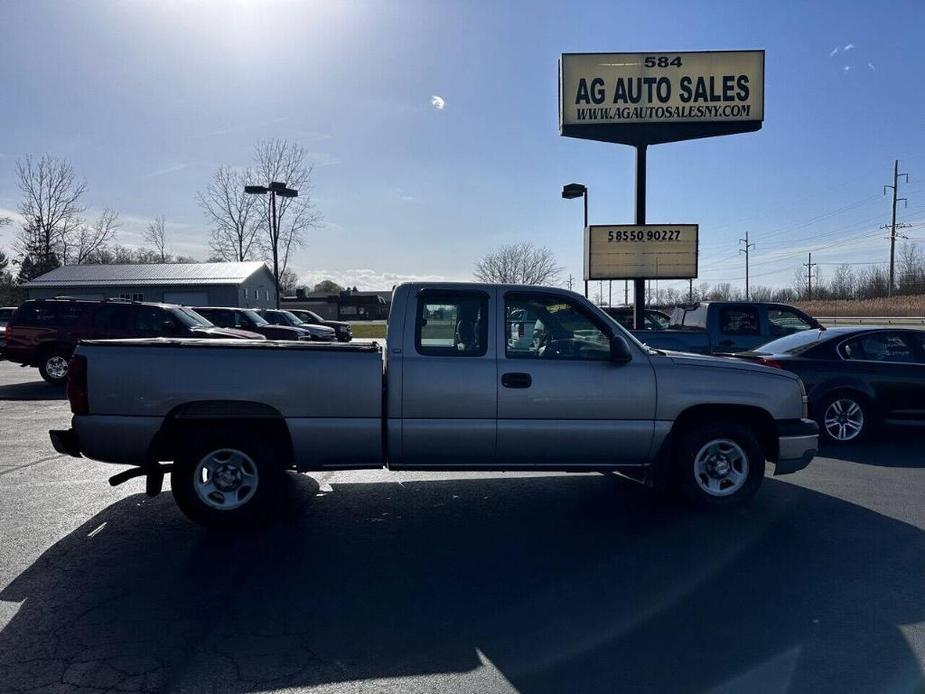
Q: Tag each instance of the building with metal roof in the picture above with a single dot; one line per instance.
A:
(191, 284)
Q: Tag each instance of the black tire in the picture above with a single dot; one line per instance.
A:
(51, 368)
(838, 406)
(737, 443)
(247, 505)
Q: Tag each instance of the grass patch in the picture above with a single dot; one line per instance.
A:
(894, 306)
(368, 330)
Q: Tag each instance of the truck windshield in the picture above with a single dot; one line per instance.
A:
(694, 318)
(291, 319)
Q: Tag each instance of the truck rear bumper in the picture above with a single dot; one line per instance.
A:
(65, 442)
(110, 439)
(798, 443)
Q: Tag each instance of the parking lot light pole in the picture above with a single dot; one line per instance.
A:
(275, 188)
(570, 192)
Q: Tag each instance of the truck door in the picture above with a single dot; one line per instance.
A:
(562, 401)
(449, 380)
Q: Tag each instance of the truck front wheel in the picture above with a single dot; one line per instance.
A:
(719, 465)
(226, 480)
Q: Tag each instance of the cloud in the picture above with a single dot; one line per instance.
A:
(849, 47)
(438, 102)
(871, 67)
(322, 158)
(846, 68)
(173, 168)
(366, 279)
(833, 52)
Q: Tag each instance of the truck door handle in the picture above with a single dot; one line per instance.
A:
(516, 380)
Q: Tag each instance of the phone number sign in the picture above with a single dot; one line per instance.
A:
(650, 251)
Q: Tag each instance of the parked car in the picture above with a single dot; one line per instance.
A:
(319, 333)
(342, 329)
(6, 312)
(654, 320)
(249, 319)
(44, 332)
(709, 327)
(452, 395)
(856, 377)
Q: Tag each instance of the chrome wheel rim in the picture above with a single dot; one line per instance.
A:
(225, 479)
(56, 367)
(843, 419)
(721, 467)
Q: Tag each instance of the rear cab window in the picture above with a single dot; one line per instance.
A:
(739, 320)
(451, 323)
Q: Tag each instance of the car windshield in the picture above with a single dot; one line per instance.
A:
(255, 318)
(190, 318)
(291, 318)
(792, 344)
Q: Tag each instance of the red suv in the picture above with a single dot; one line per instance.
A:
(44, 332)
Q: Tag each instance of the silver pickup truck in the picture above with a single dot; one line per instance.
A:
(472, 377)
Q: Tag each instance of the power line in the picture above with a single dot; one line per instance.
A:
(892, 227)
(809, 276)
(748, 246)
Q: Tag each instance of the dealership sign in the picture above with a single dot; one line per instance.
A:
(632, 251)
(649, 98)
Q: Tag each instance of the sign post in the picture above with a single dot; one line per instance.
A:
(642, 99)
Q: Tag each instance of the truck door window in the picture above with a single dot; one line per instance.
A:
(739, 320)
(784, 321)
(547, 326)
(452, 324)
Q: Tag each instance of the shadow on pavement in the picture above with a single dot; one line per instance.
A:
(893, 446)
(31, 390)
(560, 583)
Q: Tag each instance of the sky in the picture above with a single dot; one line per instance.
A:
(433, 126)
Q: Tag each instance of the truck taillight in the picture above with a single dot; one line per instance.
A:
(77, 385)
(770, 362)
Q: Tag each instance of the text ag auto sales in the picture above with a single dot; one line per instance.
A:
(690, 90)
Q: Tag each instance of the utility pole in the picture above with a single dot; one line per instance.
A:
(892, 227)
(626, 292)
(809, 277)
(745, 250)
(570, 279)
(690, 289)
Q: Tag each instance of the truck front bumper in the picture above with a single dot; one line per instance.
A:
(797, 444)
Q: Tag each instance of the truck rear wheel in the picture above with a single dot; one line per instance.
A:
(226, 480)
(719, 465)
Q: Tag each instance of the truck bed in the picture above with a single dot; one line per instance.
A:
(330, 395)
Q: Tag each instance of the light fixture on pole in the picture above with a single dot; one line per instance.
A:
(577, 190)
(275, 188)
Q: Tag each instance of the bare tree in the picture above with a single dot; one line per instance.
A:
(842, 286)
(52, 210)
(89, 239)
(285, 162)
(288, 282)
(519, 263)
(156, 236)
(235, 215)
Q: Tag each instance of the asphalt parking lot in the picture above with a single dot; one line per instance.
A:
(378, 582)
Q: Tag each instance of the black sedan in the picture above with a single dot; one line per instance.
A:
(856, 377)
(341, 328)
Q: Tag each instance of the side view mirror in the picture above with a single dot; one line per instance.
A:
(619, 351)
